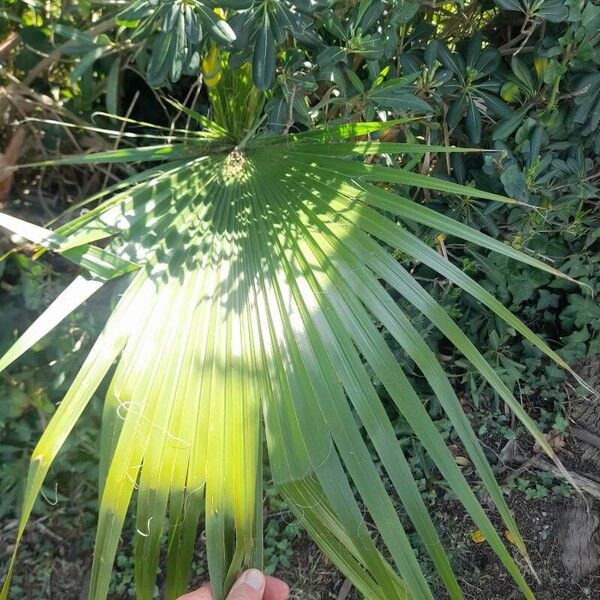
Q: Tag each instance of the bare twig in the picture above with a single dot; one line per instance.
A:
(446, 136)
(8, 159)
(9, 43)
(528, 463)
(198, 86)
(121, 130)
(290, 120)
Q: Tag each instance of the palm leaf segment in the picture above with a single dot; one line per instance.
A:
(255, 307)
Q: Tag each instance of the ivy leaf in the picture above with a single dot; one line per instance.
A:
(581, 311)
(524, 284)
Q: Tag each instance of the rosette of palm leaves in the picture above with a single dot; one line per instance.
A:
(258, 296)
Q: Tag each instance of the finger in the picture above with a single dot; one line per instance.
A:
(275, 589)
(204, 593)
(250, 586)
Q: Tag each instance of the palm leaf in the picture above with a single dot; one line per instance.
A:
(253, 315)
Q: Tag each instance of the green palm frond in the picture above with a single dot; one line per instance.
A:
(256, 286)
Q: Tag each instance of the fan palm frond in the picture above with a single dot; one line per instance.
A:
(258, 276)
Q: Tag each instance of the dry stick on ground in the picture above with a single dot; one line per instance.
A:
(584, 483)
(525, 462)
(586, 436)
(536, 461)
(344, 590)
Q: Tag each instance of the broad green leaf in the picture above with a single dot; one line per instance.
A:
(456, 109)
(398, 98)
(355, 81)
(508, 126)
(163, 55)
(497, 106)
(522, 72)
(513, 5)
(219, 28)
(263, 61)
(473, 121)
(554, 11)
(112, 87)
(86, 62)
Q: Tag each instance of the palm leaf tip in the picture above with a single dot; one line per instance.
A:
(254, 307)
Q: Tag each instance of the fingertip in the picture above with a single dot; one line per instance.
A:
(276, 589)
(250, 585)
(203, 593)
(254, 578)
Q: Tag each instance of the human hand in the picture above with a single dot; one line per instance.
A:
(250, 585)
